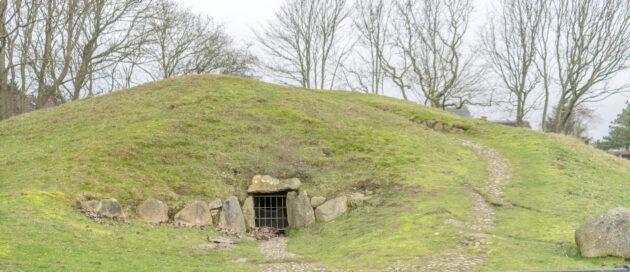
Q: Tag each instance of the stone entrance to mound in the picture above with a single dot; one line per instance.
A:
(279, 204)
(270, 210)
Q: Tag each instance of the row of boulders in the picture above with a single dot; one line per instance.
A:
(196, 214)
(199, 214)
(302, 210)
(440, 126)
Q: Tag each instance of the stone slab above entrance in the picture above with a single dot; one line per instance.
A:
(269, 184)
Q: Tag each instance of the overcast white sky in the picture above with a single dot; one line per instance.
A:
(240, 16)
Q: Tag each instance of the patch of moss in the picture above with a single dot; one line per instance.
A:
(44, 204)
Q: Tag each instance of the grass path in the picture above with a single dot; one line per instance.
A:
(470, 253)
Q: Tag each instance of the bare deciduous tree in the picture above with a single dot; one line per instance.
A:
(11, 27)
(371, 21)
(63, 50)
(216, 52)
(305, 43)
(511, 44)
(172, 35)
(4, 71)
(590, 46)
(431, 36)
(182, 42)
(56, 36)
(27, 13)
(106, 36)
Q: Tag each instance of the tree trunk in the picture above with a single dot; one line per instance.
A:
(4, 73)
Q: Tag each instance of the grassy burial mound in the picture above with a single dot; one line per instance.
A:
(444, 190)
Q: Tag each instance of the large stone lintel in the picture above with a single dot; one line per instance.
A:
(268, 184)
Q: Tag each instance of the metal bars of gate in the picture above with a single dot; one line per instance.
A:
(270, 210)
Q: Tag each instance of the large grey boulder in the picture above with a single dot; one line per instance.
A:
(317, 200)
(268, 184)
(153, 211)
(231, 217)
(90, 205)
(195, 214)
(605, 235)
(248, 212)
(331, 209)
(110, 208)
(299, 211)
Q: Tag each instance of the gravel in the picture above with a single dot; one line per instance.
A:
(275, 249)
(470, 253)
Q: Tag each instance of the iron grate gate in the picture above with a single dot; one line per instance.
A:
(270, 210)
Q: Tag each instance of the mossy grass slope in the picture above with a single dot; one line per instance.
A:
(206, 136)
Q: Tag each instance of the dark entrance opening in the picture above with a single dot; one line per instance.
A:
(270, 210)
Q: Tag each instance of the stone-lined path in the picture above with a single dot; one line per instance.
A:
(499, 174)
(470, 253)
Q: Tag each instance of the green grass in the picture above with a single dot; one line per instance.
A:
(202, 137)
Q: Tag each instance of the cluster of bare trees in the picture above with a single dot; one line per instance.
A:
(305, 42)
(416, 47)
(564, 52)
(549, 56)
(63, 50)
(553, 56)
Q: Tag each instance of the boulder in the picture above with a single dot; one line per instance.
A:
(299, 211)
(605, 234)
(356, 199)
(458, 130)
(195, 214)
(83, 197)
(430, 123)
(231, 217)
(438, 126)
(268, 184)
(90, 205)
(110, 208)
(215, 204)
(331, 209)
(248, 212)
(153, 211)
(317, 200)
